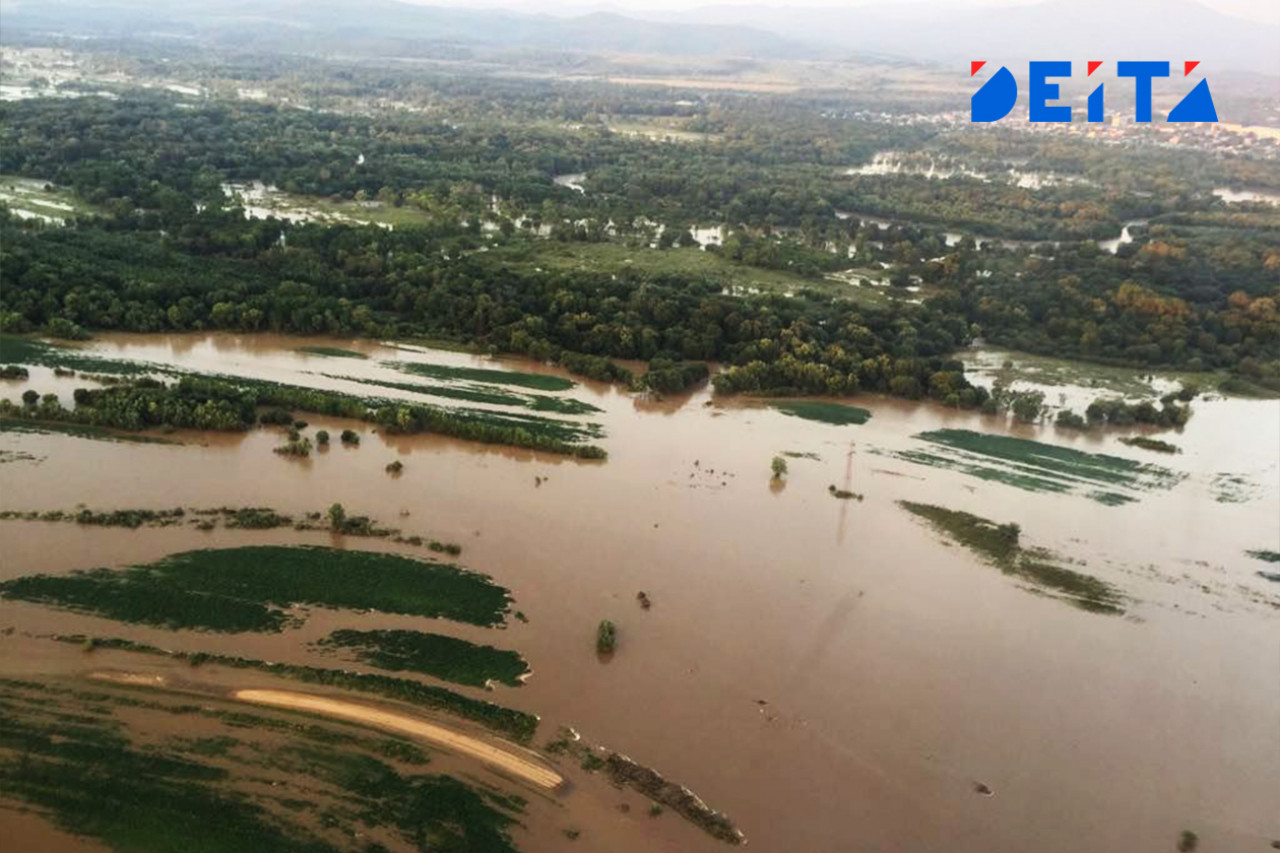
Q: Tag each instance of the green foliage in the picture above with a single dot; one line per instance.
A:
(1264, 555)
(247, 589)
(322, 437)
(446, 658)
(999, 545)
(350, 437)
(669, 377)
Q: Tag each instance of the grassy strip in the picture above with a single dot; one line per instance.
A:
(998, 544)
(517, 725)
(1265, 556)
(332, 352)
(446, 658)
(247, 589)
(823, 412)
(78, 430)
(1151, 444)
(537, 381)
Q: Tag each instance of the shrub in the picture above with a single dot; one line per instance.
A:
(606, 637)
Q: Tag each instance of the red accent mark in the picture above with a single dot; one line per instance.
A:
(1093, 66)
(1188, 67)
(975, 66)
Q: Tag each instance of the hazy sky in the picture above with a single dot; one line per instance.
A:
(1258, 10)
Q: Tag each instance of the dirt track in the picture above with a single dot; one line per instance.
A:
(510, 762)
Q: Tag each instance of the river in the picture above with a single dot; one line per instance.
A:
(829, 673)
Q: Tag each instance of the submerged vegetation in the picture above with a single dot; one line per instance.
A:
(517, 725)
(1039, 467)
(1153, 444)
(537, 381)
(242, 518)
(1000, 546)
(79, 431)
(332, 352)
(446, 658)
(838, 414)
(231, 403)
(251, 588)
(73, 755)
(623, 772)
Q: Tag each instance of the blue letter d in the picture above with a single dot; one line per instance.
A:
(996, 97)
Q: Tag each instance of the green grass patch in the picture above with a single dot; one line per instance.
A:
(1000, 546)
(1265, 556)
(332, 352)
(1038, 467)
(247, 589)
(838, 414)
(537, 381)
(446, 658)
(78, 431)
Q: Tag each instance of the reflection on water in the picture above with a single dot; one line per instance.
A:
(893, 670)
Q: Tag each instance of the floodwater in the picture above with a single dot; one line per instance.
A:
(829, 673)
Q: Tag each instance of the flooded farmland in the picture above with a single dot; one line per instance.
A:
(833, 674)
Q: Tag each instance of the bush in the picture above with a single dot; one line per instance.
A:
(606, 637)
(350, 437)
(276, 417)
(322, 437)
(779, 466)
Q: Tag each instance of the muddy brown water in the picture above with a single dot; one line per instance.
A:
(896, 672)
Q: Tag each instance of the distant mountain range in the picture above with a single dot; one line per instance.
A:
(932, 32)
(925, 32)
(387, 27)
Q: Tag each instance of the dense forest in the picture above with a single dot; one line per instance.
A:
(169, 249)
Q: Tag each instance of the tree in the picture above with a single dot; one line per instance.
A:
(779, 466)
(322, 437)
(31, 396)
(337, 516)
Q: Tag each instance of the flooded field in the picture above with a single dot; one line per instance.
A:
(832, 674)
